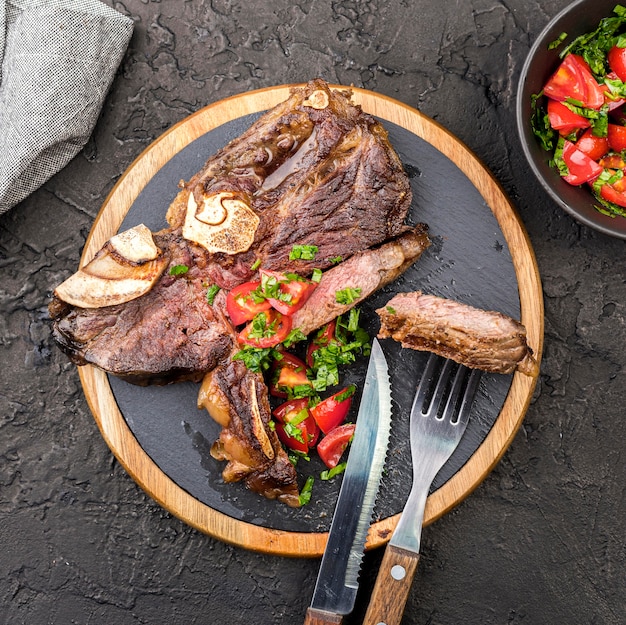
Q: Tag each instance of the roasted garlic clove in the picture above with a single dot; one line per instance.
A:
(125, 268)
(222, 223)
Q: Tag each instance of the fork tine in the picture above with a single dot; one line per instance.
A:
(425, 383)
(468, 397)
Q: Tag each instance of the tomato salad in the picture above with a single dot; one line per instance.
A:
(582, 119)
(304, 419)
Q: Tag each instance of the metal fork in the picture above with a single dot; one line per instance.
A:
(439, 416)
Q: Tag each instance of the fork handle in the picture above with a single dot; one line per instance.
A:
(392, 587)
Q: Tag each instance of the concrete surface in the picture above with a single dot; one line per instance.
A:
(540, 542)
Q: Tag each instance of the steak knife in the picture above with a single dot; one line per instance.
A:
(338, 578)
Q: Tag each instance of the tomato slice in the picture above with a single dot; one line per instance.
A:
(322, 339)
(333, 410)
(612, 161)
(564, 120)
(288, 373)
(267, 329)
(242, 306)
(594, 147)
(286, 292)
(617, 137)
(296, 428)
(611, 194)
(332, 446)
(616, 58)
(581, 168)
(573, 79)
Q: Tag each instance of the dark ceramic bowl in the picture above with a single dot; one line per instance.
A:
(578, 18)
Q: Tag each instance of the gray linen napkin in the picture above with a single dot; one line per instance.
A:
(57, 62)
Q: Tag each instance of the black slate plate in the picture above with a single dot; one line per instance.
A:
(469, 261)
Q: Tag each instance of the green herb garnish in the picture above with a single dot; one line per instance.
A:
(303, 252)
(178, 270)
(212, 291)
(347, 295)
(307, 489)
(330, 473)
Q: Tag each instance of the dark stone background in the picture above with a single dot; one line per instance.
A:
(541, 541)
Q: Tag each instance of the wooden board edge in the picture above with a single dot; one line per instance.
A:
(205, 519)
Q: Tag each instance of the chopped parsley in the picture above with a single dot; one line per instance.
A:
(212, 291)
(390, 309)
(256, 264)
(335, 260)
(303, 252)
(347, 295)
(350, 390)
(307, 489)
(330, 473)
(257, 359)
(350, 340)
(178, 270)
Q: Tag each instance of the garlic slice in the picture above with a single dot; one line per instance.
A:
(223, 223)
(125, 268)
(318, 100)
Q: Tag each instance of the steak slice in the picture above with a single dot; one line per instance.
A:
(366, 271)
(169, 334)
(476, 338)
(238, 399)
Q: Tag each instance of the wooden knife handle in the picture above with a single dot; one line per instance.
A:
(392, 587)
(320, 617)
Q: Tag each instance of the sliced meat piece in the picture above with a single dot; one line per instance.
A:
(367, 271)
(169, 334)
(237, 399)
(316, 170)
(476, 338)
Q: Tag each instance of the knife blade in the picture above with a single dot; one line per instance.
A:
(338, 577)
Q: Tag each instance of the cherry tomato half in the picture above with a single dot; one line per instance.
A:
(573, 79)
(581, 168)
(242, 306)
(617, 61)
(564, 120)
(333, 410)
(617, 137)
(594, 147)
(294, 417)
(332, 446)
(267, 329)
(613, 194)
(288, 372)
(291, 291)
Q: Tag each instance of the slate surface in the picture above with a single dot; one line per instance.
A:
(541, 541)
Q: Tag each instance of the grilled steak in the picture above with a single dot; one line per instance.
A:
(476, 338)
(238, 399)
(317, 170)
(169, 334)
(314, 171)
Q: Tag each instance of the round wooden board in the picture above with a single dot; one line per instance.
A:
(178, 501)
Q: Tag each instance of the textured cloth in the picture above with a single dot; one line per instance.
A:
(57, 62)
